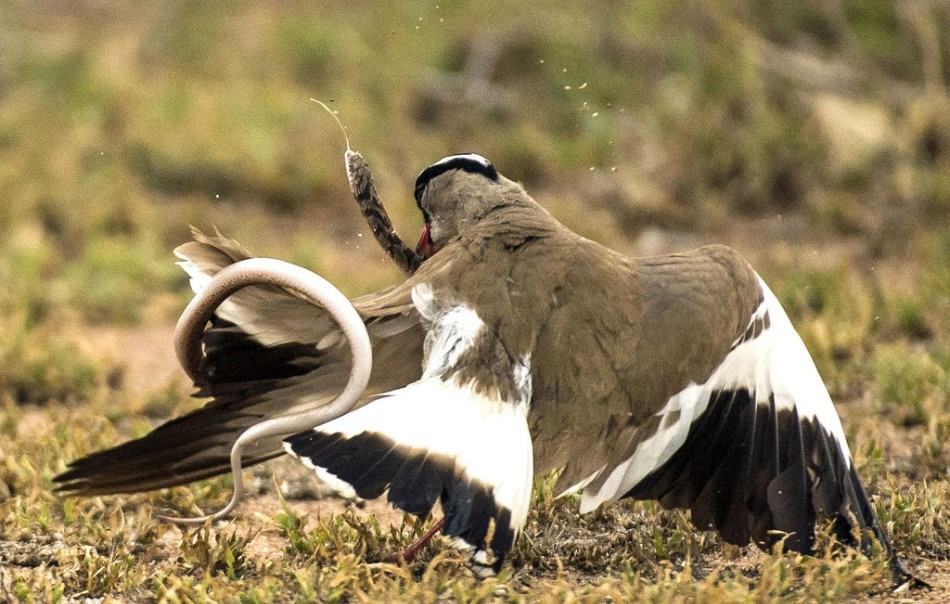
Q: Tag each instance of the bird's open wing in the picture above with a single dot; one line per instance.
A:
(444, 437)
(755, 450)
(268, 353)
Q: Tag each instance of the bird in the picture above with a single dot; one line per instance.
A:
(516, 349)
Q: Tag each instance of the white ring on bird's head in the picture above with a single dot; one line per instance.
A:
(469, 162)
(475, 157)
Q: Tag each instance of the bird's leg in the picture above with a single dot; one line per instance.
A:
(364, 192)
(410, 553)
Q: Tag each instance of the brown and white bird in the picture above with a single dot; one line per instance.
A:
(519, 348)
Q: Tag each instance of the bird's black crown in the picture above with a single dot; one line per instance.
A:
(469, 162)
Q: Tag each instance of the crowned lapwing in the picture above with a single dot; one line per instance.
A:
(519, 348)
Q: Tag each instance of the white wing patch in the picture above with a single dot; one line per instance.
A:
(452, 330)
(488, 439)
(197, 279)
(794, 377)
(773, 362)
(438, 437)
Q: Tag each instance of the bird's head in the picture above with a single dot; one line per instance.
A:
(454, 193)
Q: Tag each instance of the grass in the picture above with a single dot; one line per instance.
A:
(810, 137)
(896, 411)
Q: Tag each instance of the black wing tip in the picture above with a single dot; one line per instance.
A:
(81, 488)
(734, 478)
(414, 479)
(111, 472)
(79, 476)
(67, 488)
(78, 481)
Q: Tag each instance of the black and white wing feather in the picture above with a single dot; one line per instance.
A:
(756, 452)
(267, 353)
(438, 439)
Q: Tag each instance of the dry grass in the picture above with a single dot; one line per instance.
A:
(812, 137)
(893, 398)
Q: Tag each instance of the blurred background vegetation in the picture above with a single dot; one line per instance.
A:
(813, 136)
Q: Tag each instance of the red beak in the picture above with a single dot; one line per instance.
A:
(425, 247)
